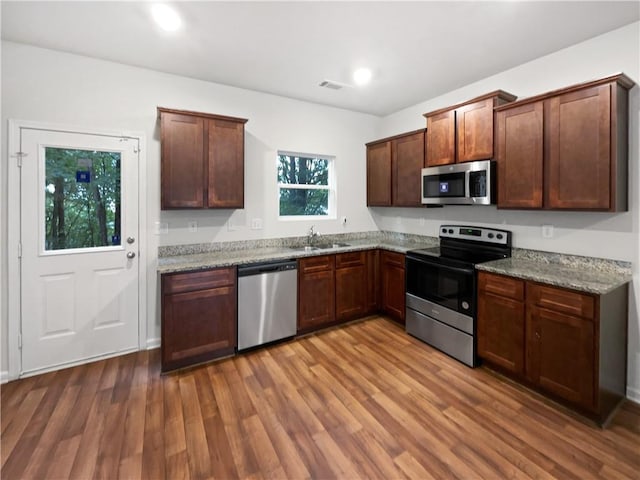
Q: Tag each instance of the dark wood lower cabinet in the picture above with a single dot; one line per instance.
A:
(393, 285)
(351, 285)
(560, 355)
(573, 344)
(199, 316)
(373, 281)
(316, 292)
(501, 332)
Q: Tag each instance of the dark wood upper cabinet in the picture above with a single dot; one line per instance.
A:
(407, 160)
(225, 163)
(379, 174)
(394, 165)
(441, 139)
(199, 316)
(202, 164)
(463, 132)
(519, 135)
(566, 149)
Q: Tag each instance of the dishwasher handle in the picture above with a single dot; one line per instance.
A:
(266, 267)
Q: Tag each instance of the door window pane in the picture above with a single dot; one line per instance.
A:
(82, 198)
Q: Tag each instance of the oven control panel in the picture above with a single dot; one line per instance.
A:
(477, 234)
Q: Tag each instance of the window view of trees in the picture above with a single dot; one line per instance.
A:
(82, 198)
(303, 185)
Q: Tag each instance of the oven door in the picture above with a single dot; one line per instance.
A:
(452, 287)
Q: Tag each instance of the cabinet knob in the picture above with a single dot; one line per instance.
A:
(538, 335)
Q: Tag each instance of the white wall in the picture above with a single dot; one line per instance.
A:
(614, 236)
(53, 87)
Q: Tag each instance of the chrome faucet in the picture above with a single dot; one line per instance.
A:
(311, 234)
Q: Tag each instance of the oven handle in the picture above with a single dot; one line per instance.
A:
(440, 265)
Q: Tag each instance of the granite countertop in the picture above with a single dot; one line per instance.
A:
(585, 274)
(226, 258)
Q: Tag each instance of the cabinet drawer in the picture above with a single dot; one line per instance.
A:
(350, 259)
(561, 300)
(198, 280)
(501, 285)
(316, 264)
(392, 258)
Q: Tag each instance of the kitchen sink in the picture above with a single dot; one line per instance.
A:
(305, 248)
(320, 246)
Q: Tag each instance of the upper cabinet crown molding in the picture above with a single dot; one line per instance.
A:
(500, 95)
(202, 160)
(620, 78)
(212, 116)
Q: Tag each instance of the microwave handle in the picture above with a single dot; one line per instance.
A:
(467, 179)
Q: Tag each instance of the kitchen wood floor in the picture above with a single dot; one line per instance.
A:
(362, 401)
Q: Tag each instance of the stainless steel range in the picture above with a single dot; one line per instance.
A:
(441, 287)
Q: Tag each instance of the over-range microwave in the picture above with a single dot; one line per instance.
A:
(470, 183)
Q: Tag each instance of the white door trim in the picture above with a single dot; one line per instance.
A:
(13, 232)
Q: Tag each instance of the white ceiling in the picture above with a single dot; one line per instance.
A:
(417, 50)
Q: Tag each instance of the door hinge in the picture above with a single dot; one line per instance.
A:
(20, 341)
(20, 250)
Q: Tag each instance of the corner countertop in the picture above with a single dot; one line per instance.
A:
(227, 258)
(584, 274)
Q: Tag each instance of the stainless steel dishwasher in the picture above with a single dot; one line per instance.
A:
(267, 302)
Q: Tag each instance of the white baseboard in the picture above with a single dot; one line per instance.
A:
(4, 376)
(153, 343)
(633, 394)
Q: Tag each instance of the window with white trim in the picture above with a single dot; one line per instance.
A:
(306, 186)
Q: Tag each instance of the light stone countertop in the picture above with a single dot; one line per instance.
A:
(226, 258)
(584, 274)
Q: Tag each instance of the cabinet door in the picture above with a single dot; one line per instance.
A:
(373, 281)
(182, 164)
(316, 292)
(198, 325)
(579, 159)
(225, 165)
(520, 156)
(379, 174)
(407, 155)
(393, 285)
(441, 139)
(474, 125)
(561, 355)
(501, 331)
(351, 292)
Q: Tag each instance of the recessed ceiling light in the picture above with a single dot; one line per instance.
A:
(362, 76)
(166, 17)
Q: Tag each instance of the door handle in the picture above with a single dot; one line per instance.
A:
(131, 254)
(130, 239)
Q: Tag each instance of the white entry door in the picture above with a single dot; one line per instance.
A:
(79, 237)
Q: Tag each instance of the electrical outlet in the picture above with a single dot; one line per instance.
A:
(256, 224)
(193, 226)
(344, 220)
(547, 231)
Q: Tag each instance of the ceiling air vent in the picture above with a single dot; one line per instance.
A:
(332, 84)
